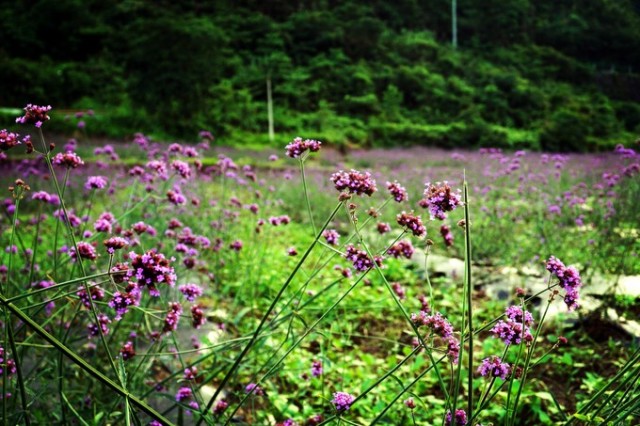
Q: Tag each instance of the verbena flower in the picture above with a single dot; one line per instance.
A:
(254, 389)
(440, 199)
(316, 368)
(7, 363)
(220, 407)
(85, 251)
(342, 401)
(103, 322)
(354, 182)
(437, 323)
(569, 279)
(331, 236)
(96, 294)
(184, 393)
(9, 139)
(115, 243)
(197, 316)
(401, 248)
(150, 269)
(35, 114)
(459, 419)
(96, 182)
(447, 236)
(511, 332)
(172, 318)
(127, 351)
(69, 160)
(360, 259)
(410, 403)
(383, 228)
(298, 147)
(399, 290)
(397, 191)
(453, 350)
(494, 367)
(181, 168)
(190, 291)
(413, 223)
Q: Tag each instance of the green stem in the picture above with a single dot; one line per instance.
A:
(92, 371)
(256, 333)
(306, 195)
(469, 290)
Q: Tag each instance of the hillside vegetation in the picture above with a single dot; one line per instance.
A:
(548, 74)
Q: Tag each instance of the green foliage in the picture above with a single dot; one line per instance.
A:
(527, 74)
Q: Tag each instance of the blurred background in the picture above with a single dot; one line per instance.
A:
(554, 75)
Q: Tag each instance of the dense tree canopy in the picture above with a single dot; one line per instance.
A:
(558, 74)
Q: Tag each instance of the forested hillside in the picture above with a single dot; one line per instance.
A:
(545, 74)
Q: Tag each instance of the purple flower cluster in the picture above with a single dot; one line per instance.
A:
(413, 223)
(85, 250)
(35, 114)
(46, 197)
(172, 318)
(397, 191)
(184, 393)
(150, 269)
(437, 323)
(494, 367)
(190, 291)
(447, 236)
(383, 228)
(127, 351)
(342, 401)
(8, 139)
(332, 236)
(440, 199)
(96, 294)
(360, 259)
(398, 290)
(197, 316)
(298, 147)
(6, 362)
(121, 301)
(354, 182)
(105, 222)
(516, 328)
(279, 220)
(460, 418)
(570, 281)
(96, 182)
(401, 248)
(69, 160)
(181, 168)
(103, 322)
(453, 350)
(115, 243)
(316, 368)
(254, 389)
(220, 407)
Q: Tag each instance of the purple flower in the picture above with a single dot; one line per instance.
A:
(85, 250)
(361, 260)
(68, 159)
(96, 182)
(412, 222)
(115, 243)
(172, 318)
(410, 403)
(254, 389)
(354, 182)
(181, 168)
(103, 322)
(453, 350)
(298, 147)
(440, 199)
(447, 236)
(569, 279)
(511, 332)
(184, 393)
(383, 228)
(332, 236)
(342, 401)
(398, 192)
(220, 407)
(316, 368)
(150, 269)
(8, 139)
(494, 367)
(437, 323)
(197, 316)
(460, 418)
(35, 114)
(401, 248)
(127, 352)
(190, 291)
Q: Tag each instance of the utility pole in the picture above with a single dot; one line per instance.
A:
(270, 109)
(454, 24)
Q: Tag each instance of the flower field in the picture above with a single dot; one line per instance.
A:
(165, 283)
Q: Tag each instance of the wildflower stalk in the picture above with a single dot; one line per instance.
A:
(633, 362)
(63, 206)
(297, 343)
(469, 291)
(81, 362)
(306, 195)
(405, 389)
(528, 358)
(620, 407)
(402, 310)
(256, 333)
